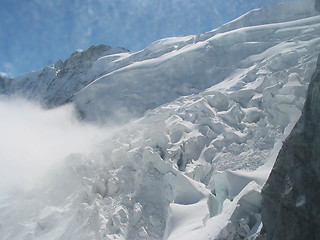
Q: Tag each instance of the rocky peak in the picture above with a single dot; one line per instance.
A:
(82, 60)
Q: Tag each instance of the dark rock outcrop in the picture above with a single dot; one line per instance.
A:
(291, 207)
(317, 5)
(4, 82)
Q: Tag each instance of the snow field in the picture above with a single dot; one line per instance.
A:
(175, 67)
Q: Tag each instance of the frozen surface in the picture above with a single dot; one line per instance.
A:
(211, 113)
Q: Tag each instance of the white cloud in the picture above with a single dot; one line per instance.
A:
(34, 140)
(3, 74)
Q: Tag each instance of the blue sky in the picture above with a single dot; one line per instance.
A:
(36, 33)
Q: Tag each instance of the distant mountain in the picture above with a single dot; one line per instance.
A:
(208, 116)
(56, 84)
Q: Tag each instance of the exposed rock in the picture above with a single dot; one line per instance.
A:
(291, 208)
(317, 5)
(4, 82)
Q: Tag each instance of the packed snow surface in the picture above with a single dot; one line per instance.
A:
(211, 112)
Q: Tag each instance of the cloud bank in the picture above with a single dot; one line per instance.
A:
(34, 140)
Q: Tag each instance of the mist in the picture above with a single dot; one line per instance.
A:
(34, 140)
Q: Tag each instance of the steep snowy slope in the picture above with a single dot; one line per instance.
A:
(55, 85)
(175, 67)
(192, 167)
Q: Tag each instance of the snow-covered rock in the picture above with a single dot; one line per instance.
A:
(56, 84)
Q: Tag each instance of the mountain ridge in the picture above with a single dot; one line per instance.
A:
(110, 66)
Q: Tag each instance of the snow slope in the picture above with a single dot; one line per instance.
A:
(175, 67)
(56, 84)
(213, 111)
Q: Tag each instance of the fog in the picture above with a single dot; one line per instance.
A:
(34, 140)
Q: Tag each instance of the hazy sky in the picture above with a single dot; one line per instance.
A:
(36, 33)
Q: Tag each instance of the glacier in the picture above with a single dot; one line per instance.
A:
(197, 123)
